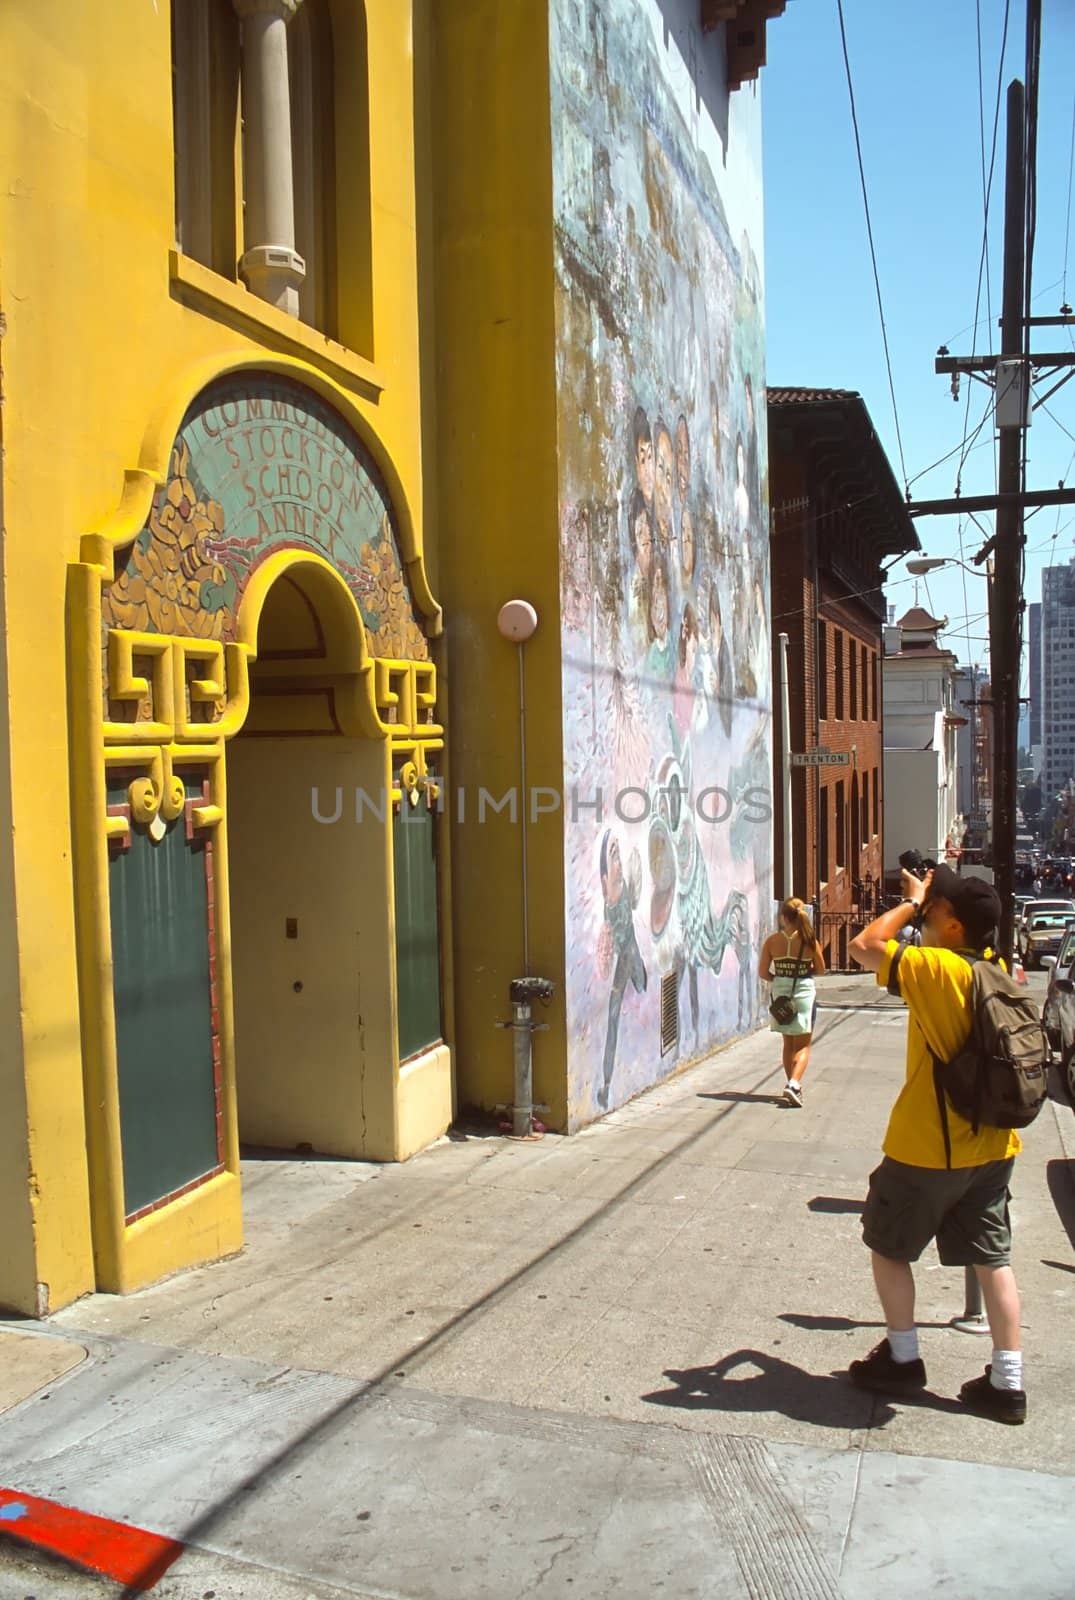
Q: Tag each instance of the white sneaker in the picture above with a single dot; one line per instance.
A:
(793, 1095)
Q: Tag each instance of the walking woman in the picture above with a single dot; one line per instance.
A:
(789, 959)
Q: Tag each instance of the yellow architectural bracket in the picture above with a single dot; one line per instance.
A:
(128, 686)
(406, 695)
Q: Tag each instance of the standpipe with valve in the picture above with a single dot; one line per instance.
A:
(523, 992)
(517, 621)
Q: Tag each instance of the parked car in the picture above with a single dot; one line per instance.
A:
(1058, 1012)
(1043, 935)
(1032, 911)
(1056, 995)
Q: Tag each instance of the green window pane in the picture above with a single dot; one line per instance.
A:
(417, 934)
(163, 1007)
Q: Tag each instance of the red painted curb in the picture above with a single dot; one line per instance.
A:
(129, 1555)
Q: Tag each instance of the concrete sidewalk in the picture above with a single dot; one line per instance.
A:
(605, 1364)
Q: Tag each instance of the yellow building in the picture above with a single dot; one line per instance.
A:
(219, 620)
(321, 316)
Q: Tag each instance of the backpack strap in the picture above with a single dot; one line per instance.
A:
(893, 984)
(971, 958)
(938, 1090)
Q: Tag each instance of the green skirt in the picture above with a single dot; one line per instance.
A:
(804, 1000)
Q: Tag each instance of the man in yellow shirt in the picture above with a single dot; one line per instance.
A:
(914, 1195)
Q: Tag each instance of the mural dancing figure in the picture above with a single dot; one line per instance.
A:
(619, 944)
(704, 937)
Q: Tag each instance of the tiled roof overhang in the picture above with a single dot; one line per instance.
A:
(835, 426)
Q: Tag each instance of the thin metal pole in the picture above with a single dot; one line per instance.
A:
(1005, 621)
(524, 801)
(972, 1295)
(785, 755)
(522, 1113)
(972, 1319)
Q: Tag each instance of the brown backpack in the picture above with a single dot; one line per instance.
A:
(998, 1078)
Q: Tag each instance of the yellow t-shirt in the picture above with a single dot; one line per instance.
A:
(935, 984)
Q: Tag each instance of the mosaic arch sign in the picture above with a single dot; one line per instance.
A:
(261, 464)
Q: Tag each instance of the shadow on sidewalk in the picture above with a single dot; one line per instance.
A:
(738, 1095)
(827, 1401)
(776, 1385)
(814, 1323)
(1060, 1176)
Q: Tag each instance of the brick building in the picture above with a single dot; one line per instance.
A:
(836, 514)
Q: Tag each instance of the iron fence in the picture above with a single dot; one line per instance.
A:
(836, 929)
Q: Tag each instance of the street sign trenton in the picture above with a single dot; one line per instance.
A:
(820, 758)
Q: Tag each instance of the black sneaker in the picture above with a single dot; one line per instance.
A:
(1003, 1405)
(880, 1372)
(793, 1095)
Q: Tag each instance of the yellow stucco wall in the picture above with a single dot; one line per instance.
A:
(98, 336)
(497, 513)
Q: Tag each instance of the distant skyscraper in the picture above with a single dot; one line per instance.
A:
(1057, 666)
(1034, 658)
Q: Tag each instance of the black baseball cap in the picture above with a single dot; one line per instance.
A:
(975, 902)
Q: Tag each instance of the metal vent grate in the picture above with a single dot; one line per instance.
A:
(669, 1012)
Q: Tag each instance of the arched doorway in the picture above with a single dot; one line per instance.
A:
(309, 890)
(253, 659)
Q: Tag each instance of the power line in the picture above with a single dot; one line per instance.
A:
(1054, 418)
(957, 447)
(983, 270)
(987, 190)
(1067, 228)
(972, 327)
(838, 599)
(869, 233)
(985, 186)
(968, 442)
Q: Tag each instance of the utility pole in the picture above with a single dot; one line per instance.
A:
(1006, 598)
(1011, 373)
(785, 772)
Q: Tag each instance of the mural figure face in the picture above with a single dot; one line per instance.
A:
(644, 468)
(658, 604)
(612, 878)
(716, 622)
(643, 447)
(688, 641)
(642, 532)
(662, 488)
(686, 544)
(683, 460)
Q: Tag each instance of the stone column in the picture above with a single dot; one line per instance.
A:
(270, 265)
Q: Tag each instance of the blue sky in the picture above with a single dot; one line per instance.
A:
(915, 73)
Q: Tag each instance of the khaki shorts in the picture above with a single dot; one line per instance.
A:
(965, 1210)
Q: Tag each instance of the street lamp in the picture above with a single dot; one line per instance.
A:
(923, 564)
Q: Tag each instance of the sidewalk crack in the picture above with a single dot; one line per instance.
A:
(850, 1513)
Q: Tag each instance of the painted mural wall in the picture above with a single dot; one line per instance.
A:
(664, 542)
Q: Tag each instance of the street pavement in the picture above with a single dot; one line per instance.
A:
(610, 1364)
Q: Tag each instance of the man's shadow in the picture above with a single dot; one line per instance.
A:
(828, 1401)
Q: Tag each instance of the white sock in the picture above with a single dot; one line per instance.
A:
(1006, 1369)
(903, 1342)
